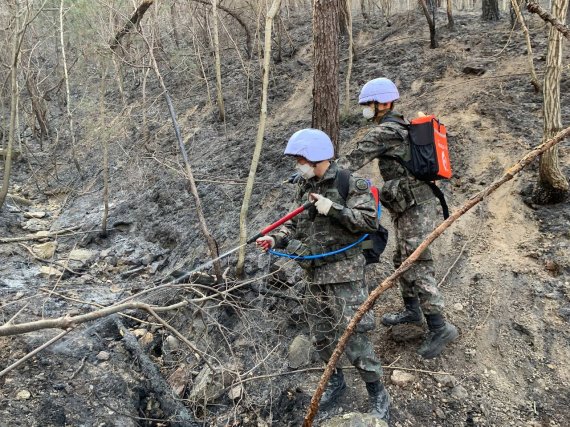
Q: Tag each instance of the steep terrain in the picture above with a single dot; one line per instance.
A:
(504, 267)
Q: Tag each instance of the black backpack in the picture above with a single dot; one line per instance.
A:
(375, 243)
(429, 153)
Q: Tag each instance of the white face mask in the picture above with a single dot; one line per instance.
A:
(305, 170)
(368, 112)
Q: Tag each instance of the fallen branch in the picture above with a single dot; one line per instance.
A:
(59, 233)
(68, 321)
(534, 7)
(175, 410)
(407, 264)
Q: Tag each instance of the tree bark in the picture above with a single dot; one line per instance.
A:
(450, 22)
(259, 139)
(326, 68)
(431, 24)
(552, 184)
(218, 65)
(350, 58)
(490, 10)
(67, 91)
(408, 262)
(16, 43)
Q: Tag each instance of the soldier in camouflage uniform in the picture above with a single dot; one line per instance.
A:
(335, 284)
(413, 208)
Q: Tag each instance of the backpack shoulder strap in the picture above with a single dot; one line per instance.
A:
(439, 194)
(342, 182)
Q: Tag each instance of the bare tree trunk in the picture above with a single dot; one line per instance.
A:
(450, 23)
(67, 92)
(16, 43)
(350, 59)
(326, 66)
(259, 140)
(490, 10)
(408, 262)
(196, 44)
(39, 106)
(131, 23)
(218, 66)
(145, 129)
(555, 20)
(533, 76)
(174, 20)
(552, 184)
(431, 24)
(344, 16)
(105, 153)
(363, 10)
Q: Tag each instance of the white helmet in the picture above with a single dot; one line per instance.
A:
(312, 144)
(380, 90)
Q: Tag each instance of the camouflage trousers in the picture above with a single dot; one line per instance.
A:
(329, 308)
(412, 227)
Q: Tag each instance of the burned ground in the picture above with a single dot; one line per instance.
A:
(504, 267)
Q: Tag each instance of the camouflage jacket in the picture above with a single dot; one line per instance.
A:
(388, 139)
(311, 233)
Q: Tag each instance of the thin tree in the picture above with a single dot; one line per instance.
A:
(260, 133)
(533, 77)
(431, 24)
(350, 58)
(67, 91)
(552, 184)
(105, 154)
(218, 65)
(490, 10)
(18, 36)
(450, 22)
(326, 30)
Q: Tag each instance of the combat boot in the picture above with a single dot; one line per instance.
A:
(412, 314)
(440, 333)
(379, 400)
(335, 388)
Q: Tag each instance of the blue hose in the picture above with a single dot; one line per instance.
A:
(338, 251)
(308, 257)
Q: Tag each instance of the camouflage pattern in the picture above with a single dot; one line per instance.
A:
(411, 203)
(335, 284)
(311, 233)
(329, 308)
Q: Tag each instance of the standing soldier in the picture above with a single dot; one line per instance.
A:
(335, 284)
(413, 207)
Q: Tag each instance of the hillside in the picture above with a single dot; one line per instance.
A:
(504, 267)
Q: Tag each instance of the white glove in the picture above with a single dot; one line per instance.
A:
(265, 242)
(322, 204)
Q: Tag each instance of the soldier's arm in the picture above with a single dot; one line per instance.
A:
(375, 143)
(287, 231)
(359, 215)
